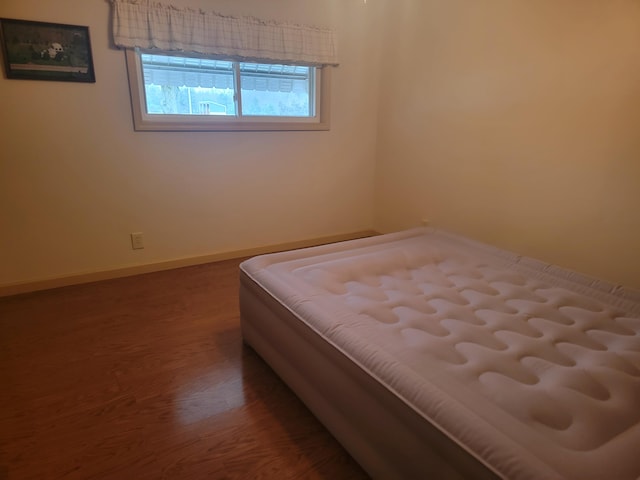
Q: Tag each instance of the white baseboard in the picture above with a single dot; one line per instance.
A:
(76, 279)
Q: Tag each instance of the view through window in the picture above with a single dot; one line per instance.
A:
(176, 85)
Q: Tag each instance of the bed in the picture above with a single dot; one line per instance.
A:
(429, 355)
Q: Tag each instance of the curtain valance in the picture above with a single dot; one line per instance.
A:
(151, 25)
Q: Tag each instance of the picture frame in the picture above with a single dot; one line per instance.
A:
(46, 51)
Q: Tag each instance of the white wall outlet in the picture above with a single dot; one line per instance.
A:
(137, 241)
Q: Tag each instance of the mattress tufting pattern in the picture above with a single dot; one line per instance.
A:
(512, 358)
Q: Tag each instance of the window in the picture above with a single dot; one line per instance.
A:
(181, 92)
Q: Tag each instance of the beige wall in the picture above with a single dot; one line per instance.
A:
(75, 179)
(517, 123)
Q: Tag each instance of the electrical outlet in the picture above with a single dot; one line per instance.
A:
(137, 241)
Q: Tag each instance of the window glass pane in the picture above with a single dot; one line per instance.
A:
(188, 86)
(277, 90)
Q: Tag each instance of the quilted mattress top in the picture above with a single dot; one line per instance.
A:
(532, 369)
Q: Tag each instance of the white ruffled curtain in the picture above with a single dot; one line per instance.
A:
(150, 25)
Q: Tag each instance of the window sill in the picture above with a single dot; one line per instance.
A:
(192, 125)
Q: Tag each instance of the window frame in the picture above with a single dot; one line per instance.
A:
(144, 121)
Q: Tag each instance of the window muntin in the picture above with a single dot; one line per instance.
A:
(178, 92)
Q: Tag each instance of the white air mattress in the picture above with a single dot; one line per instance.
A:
(530, 371)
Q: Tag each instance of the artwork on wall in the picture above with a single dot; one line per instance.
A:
(46, 51)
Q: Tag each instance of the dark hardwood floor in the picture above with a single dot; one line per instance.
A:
(147, 378)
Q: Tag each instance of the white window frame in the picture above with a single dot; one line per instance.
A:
(143, 121)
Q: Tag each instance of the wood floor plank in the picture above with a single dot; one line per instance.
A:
(147, 378)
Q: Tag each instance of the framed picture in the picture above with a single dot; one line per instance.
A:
(46, 51)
